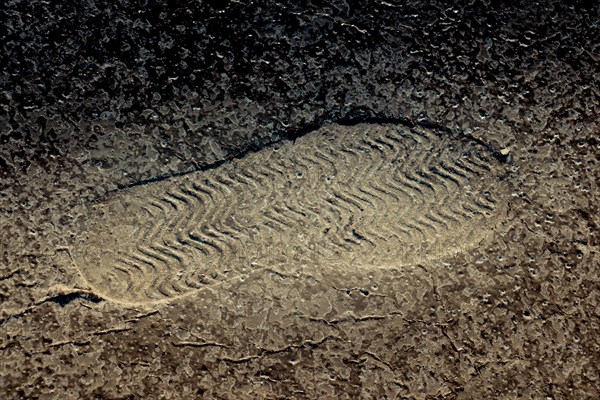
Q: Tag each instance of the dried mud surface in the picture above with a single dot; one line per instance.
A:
(218, 114)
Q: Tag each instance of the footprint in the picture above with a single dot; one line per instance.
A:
(362, 196)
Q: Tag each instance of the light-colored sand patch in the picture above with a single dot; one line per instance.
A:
(369, 196)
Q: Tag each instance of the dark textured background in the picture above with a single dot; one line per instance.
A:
(206, 81)
(97, 95)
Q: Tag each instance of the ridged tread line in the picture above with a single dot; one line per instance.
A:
(413, 180)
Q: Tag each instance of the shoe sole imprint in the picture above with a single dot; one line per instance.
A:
(362, 196)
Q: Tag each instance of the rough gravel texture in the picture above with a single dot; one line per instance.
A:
(99, 95)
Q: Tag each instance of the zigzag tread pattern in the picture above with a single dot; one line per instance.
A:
(363, 196)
